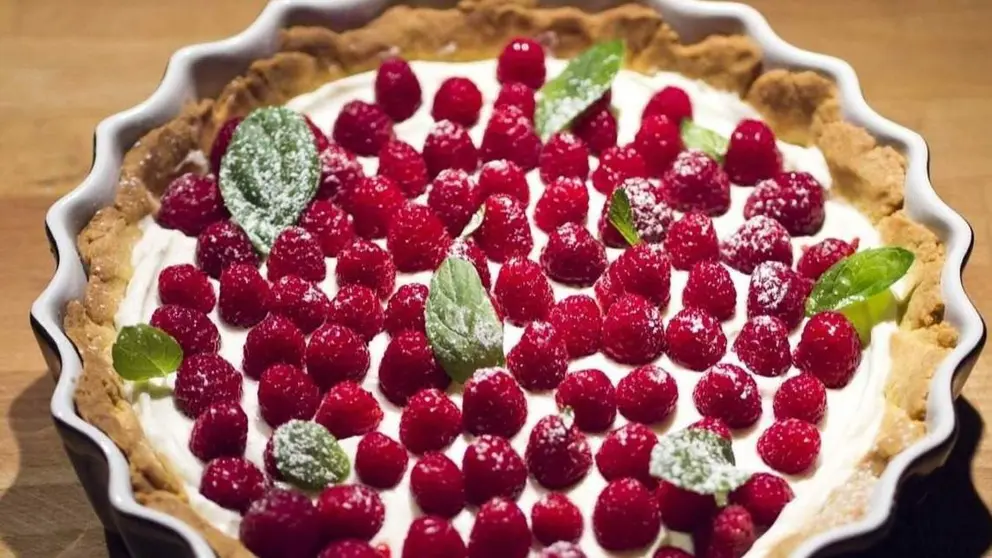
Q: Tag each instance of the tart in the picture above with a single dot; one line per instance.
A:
(508, 281)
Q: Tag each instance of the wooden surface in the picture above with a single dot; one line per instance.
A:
(66, 64)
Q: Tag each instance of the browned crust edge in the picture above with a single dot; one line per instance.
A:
(802, 107)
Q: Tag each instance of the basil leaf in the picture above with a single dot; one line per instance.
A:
(269, 173)
(587, 77)
(709, 142)
(697, 460)
(142, 352)
(622, 217)
(858, 277)
(462, 325)
(308, 456)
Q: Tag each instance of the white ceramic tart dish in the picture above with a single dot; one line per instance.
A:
(129, 449)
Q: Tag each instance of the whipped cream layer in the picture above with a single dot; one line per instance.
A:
(847, 431)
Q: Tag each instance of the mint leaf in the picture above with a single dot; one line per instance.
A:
(142, 352)
(858, 277)
(462, 325)
(269, 173)
(587, 77)
(308, 456)
(622, 217)
(474, 223)
(709, 142)
(697, 460)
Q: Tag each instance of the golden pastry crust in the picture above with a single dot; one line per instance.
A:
(802, 107)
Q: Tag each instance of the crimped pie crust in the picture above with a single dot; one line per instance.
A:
(801, 107)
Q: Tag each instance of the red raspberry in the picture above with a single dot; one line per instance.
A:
(405, 309)
(191, 203)
(349, 548)
(670, 552)
(616, 165)
(517, 95)
(222, 244)
(775, 290)
(432, 537)
(573, 256)
(820, 257)
(540, 358)
(203, 380)
(659, 142)
(758, 240)
(397, 89)
(365, 263)
(694, 339)
(794, 199)
(401, 163)
(372, 202)
(697, 183)
(692, 239)
(184, 285)
(221, 141)
(803, 397)
(469, 251)
(500, 531)
(683, 510)
(244, 296)
(626, 452)
(672, 102)
(632, 331)
(710, 288)
(296, 252)
(357, 307)
(437, 485)
(282, 524)
(564, 156)
(752, 155)
(763, 346)
(300, 301)
(362, 128)
(320, 139)
(522, 60)
(417, 239)
(380, 461)
(510, 135)
(558, 454)
(626, 516)
(714, 425)
(330, 225)
(493, 403)
(219, 431)
(644, 270)
(492, 469)
(651, 213)
(193, 330)
(350, 511)
(340, 172)
(232, 483)
(591, 397)
(457, 100)
(579, 322)
(763, 496)
(454, 199)
(285, 393)
(503, 177)
(275, 340)
(647, 395)
(336, 354)
(728, 393)
(789, 446)
(829, 348)
(555, 518)
(408, 366)
(348, 410)
(566, 200)
(728, 534)
(504, 232)
(430, 422)
(597, 129)
(523, 292)
(448, 146)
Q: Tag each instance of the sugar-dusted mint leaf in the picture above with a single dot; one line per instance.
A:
(308, 456)
(858, 277)
(709, 142)
(474, 223)
(587, 77)
(462, 325)
(142, 352)
(622, 217)
(269, 173)
(698, 460)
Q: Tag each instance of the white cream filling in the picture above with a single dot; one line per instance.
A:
(854, 413)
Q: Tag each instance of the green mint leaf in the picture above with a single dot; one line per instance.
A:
(709, 142)
(462, 325)
(308, 456)
(269, 173)
(142, 352)
(587, 77)
(698, 460)
(474, 223)
(858, 277)
(622, 217)
(865, 315)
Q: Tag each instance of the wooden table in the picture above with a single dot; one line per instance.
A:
(65, 65)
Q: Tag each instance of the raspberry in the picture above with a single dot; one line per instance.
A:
(579, 323)
(362, 128)
(221, 430)
(775, 290)
(222, 244)
(349, 548)
(763, 346)
(408, 366)
(503, 177)
(365, 263)
(510, 135)
(492, 469)
(300, 301)
(448, 146)
(758, 240)
(203, 380)
(626, 452)
(710, 288)
(517, 95)
(336, 354)
(697, 183)
(728, 534)
(616, 165)
(244, 296)
(357, 307)
(372, 202)
(564, 156)
(632, 331)
(232, 483)
(683, 510)
(275, 340)
(672, 102)
(269, 460)
(540, 358)
(694, 339)
(401, 163)
(573, 256)
(437, 485)
(803, 397)
(692, 239)
(380, 461)
(504, 232)
(457, 100)
(644, 270)
(454, 199)
(555, 518)
(184, 285)
(330, 225)
(820, 257)
(340, 171)
(794, 199)
(405, 309)
(659, 142)
(430, 422)
(566, 200)
(730, 394)
(763, 496)
(591, 397)
(469, 251)
(523, 292)
(558, 454)
(751, 153)
(282, 524)
(522, 60)
(714, 425)
(296, 252)
(348, 410)
(562, 549)
(597, 129)
(221, 141)
(626, 516)
(285, 393)
(432, 537)
(829, 348)
(193, 330)
(190, 204)
(417, 239)
(647, 395)
(670, 552)
(500, 531)
(651, 213)
(320, 139)
(350, 511)
(397, 89)
(493, 403)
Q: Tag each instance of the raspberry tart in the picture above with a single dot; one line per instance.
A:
(498, 281)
